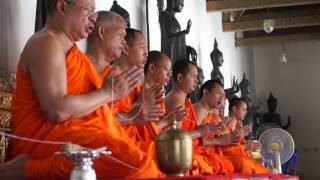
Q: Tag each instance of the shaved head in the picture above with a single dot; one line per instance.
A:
(107, 19)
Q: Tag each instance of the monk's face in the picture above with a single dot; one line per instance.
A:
(162, 71)
(80, 18)
(137, 52)
(190, 80)
(113, 41)
(215, 97)
(240, 111)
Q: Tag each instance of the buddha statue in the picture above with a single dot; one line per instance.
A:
(173, 39)
(272, 116)
(216, 57)
(121, 11)
(193, 55)
(252, 118)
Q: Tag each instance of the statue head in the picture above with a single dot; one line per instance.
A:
(192, 54)
(245, 86)
(121, 11)
(175, 5)
(200, 76)
(216, 55)
(272, 103)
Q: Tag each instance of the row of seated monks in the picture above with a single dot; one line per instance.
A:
(99, 98)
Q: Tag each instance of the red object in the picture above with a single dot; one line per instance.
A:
(234, 177)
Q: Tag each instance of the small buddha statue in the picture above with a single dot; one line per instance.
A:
(272, 116)
(216, 57)
(121, 11)
(192, 55)
(252, 118)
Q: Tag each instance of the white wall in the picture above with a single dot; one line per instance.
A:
(296, 85)
(18, 18)
(17, 21)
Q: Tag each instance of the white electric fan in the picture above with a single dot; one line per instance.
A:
(277, 147)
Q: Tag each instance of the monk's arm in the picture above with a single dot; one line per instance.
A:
(49, 77)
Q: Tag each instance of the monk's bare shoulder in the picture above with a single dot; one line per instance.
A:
(172, 102)
(41, 48)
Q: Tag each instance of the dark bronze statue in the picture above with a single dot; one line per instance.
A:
(216, 57)
(173, 39)
(252, 118)
(193, 55)
(121, 11)
(272, 116)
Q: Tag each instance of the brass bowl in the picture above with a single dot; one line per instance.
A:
(174, 152)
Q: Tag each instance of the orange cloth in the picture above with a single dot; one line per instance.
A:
(203, 163)
(142, 132)
(95, 130)
(236, 154)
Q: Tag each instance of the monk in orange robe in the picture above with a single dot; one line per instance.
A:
(60, 97)
(237, 154)
(141, 106)
(158, 71)
(185, 79)
(229, 143)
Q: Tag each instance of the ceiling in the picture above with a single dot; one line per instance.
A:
(294, 20)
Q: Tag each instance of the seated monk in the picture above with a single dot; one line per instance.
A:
(60, 97)
(237, 154)
(211, 96)
(185, 80)
(228, 144)
(141, 105)
(158, 71)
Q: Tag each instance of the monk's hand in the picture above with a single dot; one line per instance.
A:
(207, 129)
(229, 139)
(148, 114)
(178, 113)
(243, 131)
(121, 85)
(225, 122)
(151, 96)
(253, 144)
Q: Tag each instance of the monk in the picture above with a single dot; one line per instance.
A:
(141, 106)
(237, 154)
(59, 97)
(158, 71)
(185, 80)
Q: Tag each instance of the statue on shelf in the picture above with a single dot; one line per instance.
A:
(173, 39)
(121, 11)
(272, 116)
(216, 57)
(252, 118)
(192, 55)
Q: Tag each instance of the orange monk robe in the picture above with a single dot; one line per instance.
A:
(141, 132)
(95, 130)
(236, 154)
(203, 163)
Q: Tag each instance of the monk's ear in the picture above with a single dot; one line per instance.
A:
(151, 68)
(205, 92)
(180, 77)
(234, 108)
(101, 31)
(125, 48)
(61, 7)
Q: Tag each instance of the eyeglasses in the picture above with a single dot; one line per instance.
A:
(169, 71)
(90, 11)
